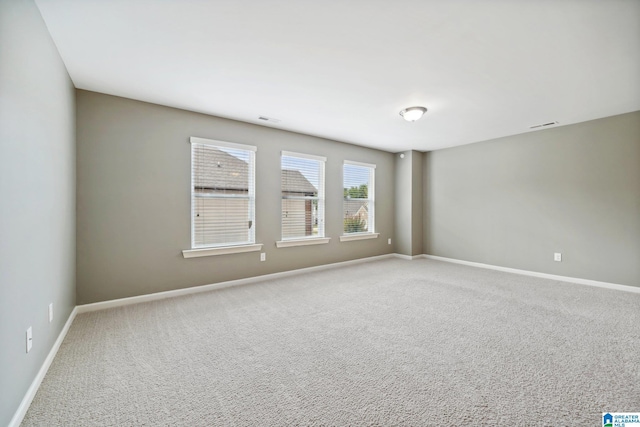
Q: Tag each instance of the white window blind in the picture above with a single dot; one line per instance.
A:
(222, 193)
(302, 182)
(358, 206)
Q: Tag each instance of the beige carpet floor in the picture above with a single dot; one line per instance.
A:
(389, 343)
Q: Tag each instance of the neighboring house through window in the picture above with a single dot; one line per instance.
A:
(358, 205)
(302, 185)
(222, 193)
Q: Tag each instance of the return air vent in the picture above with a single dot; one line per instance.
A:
(268, 119)
(543, 125)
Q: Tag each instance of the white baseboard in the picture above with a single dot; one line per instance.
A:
(33, 388)
(205, 288)
(588, 282)
(407, 257)
(31, 392)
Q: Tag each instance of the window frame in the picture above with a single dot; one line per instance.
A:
(370, 233)
(231, 247)
(320, 238)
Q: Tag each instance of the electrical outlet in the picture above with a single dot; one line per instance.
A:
(29, 339)
(557, 257)
(263, 256)
(389, 241)
(50, 312)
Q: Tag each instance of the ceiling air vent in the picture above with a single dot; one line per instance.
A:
(542, 125)
(268, 119)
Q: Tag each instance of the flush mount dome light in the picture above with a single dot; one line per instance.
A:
(412, 114)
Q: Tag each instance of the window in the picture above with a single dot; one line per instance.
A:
(222, 194)
(302, 185)
(358, 206)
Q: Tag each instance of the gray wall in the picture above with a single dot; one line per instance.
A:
(402, 204)
(408, 203)
(133, 211)
(417, 192)
(515, 201)
(37, 197)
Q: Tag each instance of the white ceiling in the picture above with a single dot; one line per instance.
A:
(344, 69)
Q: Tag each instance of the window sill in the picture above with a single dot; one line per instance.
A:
(223, 250)
(358, 236)
(302, 242)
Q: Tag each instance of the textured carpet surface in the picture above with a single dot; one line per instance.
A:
(390, 343)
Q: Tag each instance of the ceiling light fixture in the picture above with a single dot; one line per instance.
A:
(412, 114)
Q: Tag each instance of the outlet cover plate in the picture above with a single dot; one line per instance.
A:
(29, 339)
(557, 257)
